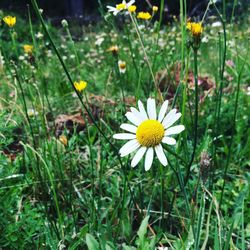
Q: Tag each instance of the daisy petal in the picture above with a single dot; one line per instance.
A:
(137, 114)
(169, 117)
(138, 156)
(149, 159)
(110, 8)
(142, 110)
(129, 147)
(169, 140)
(130, 3)
(174, 130)
(132, 118)
(151, 109)
(172, 120)
(163, 111)
(129, 127)
(160, 154)
(124, 136)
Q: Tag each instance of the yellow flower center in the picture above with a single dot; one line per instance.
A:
(150, 133)
(121, 6)
(122, 65)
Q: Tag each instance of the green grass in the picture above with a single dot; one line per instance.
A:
(83, 195)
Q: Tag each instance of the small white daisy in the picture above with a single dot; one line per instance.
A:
(120, 7)
(122, 66)
(148, 132)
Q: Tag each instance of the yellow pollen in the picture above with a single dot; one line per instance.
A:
(150, 133)
(121, 6)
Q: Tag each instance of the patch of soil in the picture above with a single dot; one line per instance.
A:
(168, 81)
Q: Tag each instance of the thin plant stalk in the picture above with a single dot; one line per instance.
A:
(12, 35)
(31, 29)
(196, 114)
(158, 32)
(73, 44)
(146, 57)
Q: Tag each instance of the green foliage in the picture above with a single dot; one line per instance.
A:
(76, 192)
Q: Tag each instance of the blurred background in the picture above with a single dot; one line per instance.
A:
(91, 9)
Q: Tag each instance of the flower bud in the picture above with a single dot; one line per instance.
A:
(64, 23)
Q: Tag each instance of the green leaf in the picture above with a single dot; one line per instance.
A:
(92, 242)
(143, 228)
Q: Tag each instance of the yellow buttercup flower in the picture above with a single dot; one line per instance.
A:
(28, 48)
(80, 86)
(155, 8)
(10, 20)
(195, 28)
(144, 15)
(132, 8)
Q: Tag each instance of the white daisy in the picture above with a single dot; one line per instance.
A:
(147, 132)
(122, 66)
(120, 7)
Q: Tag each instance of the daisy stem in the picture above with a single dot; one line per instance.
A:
(146, 57)
(196, 114)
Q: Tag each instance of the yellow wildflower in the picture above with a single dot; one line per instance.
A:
(155, 8)
(195, 28)
(80, 86)
(114, 49)
(144, 15)
(132, 8)
(189, 25)
(10, 20)
(63, 139)
(28, 48)
(121, 6)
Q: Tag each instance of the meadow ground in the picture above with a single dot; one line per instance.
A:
(127, 134)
